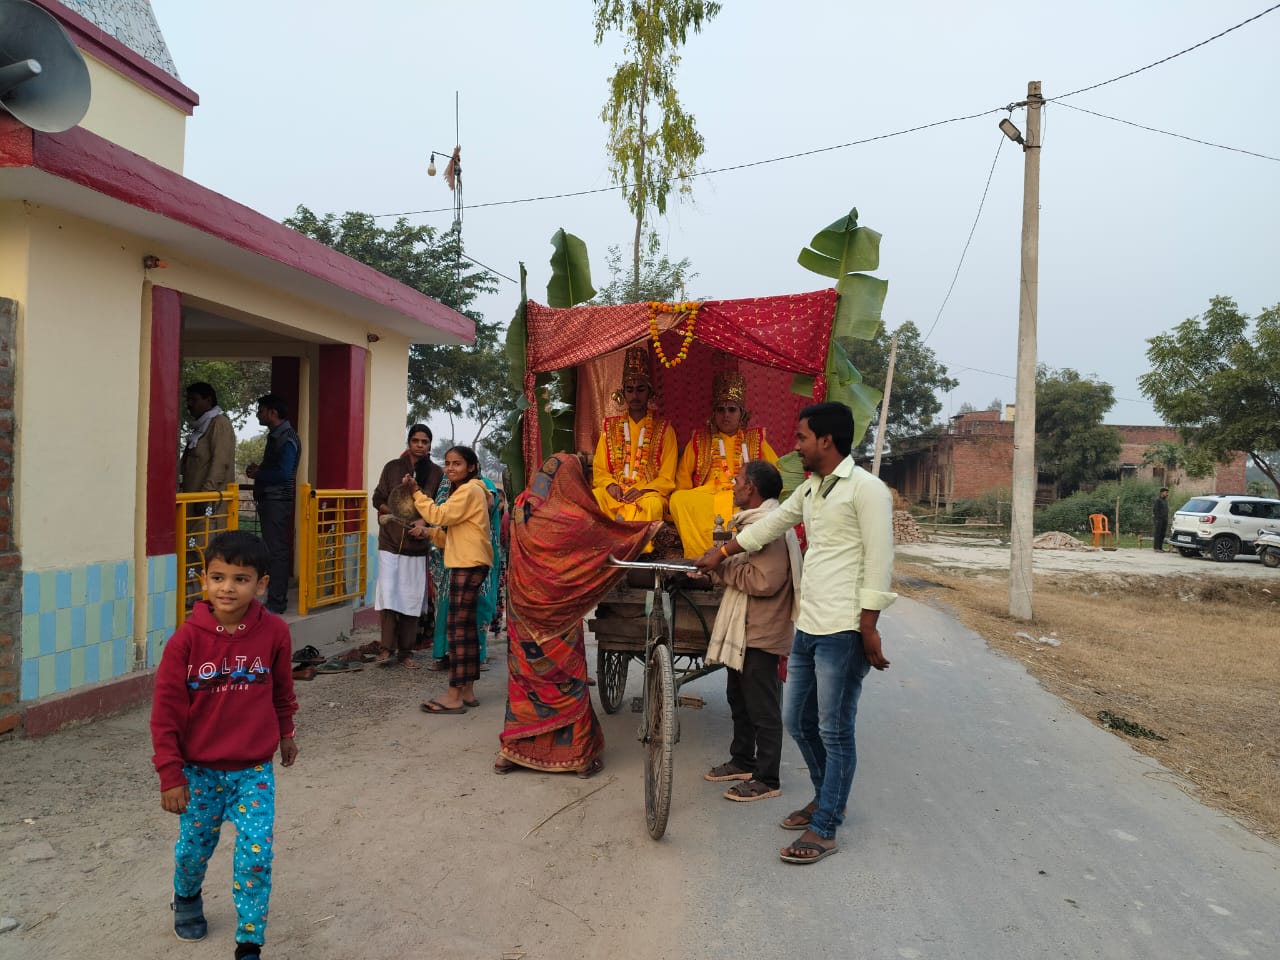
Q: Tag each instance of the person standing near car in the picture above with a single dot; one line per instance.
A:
(1160, 516)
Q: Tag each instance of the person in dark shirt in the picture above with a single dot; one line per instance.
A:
(1160, 515)
(273, 493)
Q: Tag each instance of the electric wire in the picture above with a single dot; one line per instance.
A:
(707, 173)
(1170, 133)
(968, 240)
(1172, 56)
(490, 269)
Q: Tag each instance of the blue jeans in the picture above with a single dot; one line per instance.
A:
(824, 682)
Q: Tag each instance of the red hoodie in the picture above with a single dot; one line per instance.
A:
(222, 701)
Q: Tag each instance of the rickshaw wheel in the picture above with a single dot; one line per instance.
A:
(611, 678)
(660, 743)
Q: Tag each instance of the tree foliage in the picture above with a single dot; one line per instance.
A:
(660, 279)
(1072, 444)
(238, 384)
(653, 142)
(1218, 382)
(467, 381)
(1171, 456)
(917, 374)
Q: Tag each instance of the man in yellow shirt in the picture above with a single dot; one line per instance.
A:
(711, 459)
(634, 469)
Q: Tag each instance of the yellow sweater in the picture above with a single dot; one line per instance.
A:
(465, 517)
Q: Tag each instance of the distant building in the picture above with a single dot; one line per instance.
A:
(113, 268)
(973, 456)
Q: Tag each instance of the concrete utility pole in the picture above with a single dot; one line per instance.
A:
(884, 407)
(1024, 422)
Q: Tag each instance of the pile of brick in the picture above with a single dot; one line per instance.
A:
(1057, 540)
(905, 529)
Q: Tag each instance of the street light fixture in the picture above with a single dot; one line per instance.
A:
(1010, 130)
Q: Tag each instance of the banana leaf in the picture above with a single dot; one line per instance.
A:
(842, 248)
(792, 473)
(844, 385)
(518, 338)
(802, 385)
(512, 455)
(570, 282)
(860, 305)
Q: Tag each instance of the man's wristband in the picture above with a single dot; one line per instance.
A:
(724, 550)
(289, 736)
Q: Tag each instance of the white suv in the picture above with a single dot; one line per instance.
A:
(1222, 526)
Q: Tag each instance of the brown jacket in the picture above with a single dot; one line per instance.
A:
(211, 463)
(394, 537)
(765, 577)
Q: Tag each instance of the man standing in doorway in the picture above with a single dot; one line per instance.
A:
(848, 567)
(273, 492)
(209, 460)
(1160, 515)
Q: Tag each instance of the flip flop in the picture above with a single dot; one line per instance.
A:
(409, 663)
(502, 766)
(594, 767)
(471, 703)
(333, 666)
(304, 672)
(385, 659)
(823, 852)
(436, 707)
(308, 656)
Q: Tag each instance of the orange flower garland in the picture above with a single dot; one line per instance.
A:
(690, 310)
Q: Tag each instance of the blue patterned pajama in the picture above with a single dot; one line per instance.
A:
(246, 798)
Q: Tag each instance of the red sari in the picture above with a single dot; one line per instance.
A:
(558, 570)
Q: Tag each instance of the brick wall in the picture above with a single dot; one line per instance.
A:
(10, 560)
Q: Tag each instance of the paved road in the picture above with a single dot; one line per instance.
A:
(988, 821)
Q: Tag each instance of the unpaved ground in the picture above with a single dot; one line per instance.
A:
(87, 862)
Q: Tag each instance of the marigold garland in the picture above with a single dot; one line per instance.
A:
(690, 310)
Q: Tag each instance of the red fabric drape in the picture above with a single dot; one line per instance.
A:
(786, 333)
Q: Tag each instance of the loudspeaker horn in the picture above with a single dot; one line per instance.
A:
(44, 82)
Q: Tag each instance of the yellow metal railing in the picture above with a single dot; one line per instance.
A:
(334, 566)
(200, 516)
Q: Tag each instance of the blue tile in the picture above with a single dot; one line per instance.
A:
(62, 590)
(77, 626)
(120, 656)
(48, 632)
(155, 610)
(121, 580)
(128, 621)
(93, 583)
(30, 593)
(171, 573)
(106, 621)
(30, 679)
(62, 671)
(91, 664)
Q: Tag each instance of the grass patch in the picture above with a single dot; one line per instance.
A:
(1195, 661)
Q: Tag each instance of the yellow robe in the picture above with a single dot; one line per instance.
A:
(653, 457)
(704, 483)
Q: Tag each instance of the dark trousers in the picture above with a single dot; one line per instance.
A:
(755, 701)
(276, 518)
(1162, 527)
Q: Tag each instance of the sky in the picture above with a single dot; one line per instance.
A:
(338, 107)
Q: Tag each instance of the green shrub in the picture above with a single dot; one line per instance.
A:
(1071, 515)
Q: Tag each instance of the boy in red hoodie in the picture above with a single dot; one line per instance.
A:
(223, 702)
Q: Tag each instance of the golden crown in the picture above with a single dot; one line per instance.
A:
(729, 386)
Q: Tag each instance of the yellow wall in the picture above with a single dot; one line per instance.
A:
(13, 252)
(77, 394)
(135, 118)
(387, 393)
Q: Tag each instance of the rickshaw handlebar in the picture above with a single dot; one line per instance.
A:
(661, 567)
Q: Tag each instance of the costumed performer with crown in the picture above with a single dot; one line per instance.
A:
(711, 459)
(634, 469)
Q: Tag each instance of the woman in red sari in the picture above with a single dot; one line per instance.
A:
(559, 570)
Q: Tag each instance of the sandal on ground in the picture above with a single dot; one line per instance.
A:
(439, 665)
(789, 854)
(436, 707)
(304, 672)
(502, 766)
(799, 819)
(333, 666)
(410, 664)
(591, 769)
(725, 772)
(384, 658)
(471, 703)
(749, 790)
(308, 656)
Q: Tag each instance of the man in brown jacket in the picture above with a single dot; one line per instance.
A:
(753, 629)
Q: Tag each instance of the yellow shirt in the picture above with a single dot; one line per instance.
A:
(465, 517)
